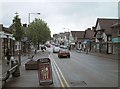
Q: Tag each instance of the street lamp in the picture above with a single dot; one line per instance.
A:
(68, 34)
(28, 28)
(29, 17)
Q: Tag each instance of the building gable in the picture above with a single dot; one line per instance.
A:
(98, 26)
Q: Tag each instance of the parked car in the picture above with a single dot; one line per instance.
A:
(56, 49)
(64, 52)
(43, 48)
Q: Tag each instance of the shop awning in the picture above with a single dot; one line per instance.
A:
(86, 42)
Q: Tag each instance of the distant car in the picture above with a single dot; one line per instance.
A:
(53, 43)
(64, 52)
(56, 49)
(48, 45)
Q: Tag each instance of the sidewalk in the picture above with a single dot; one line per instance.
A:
(109, 56)
(28, 78)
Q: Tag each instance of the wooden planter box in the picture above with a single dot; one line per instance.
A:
(31, 65)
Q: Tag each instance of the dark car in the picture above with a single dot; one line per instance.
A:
(64, 52)
(43, 48)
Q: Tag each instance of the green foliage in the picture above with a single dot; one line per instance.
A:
(38, 31)
(18, 33)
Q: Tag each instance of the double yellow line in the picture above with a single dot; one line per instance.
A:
(62, 79)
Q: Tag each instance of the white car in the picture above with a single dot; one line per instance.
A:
(56, 49)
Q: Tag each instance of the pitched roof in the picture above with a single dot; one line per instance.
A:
(6, 30)
(116, 25)
(78, 34)
(89, 34)
(106, 24)
(67, 34)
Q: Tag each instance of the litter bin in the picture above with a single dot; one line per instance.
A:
(16, 73)
(45, 71)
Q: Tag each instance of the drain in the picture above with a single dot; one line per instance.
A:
(80, 83)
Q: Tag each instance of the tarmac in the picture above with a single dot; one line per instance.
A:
(29, 78)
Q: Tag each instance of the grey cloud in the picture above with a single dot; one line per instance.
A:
(58, 15)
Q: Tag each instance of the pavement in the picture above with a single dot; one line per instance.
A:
(109, 56)
(28, 78)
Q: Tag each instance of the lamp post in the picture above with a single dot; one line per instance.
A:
(29, 17)
(28, 27)
(68, 34)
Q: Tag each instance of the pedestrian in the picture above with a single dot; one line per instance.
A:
(35, 51)
(69, 47)
(8, 55)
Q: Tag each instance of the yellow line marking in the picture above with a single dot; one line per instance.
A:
(59, 77)
(61, 74)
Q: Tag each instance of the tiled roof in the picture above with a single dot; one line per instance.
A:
(78, 34)
(106, 24)
(116, 25)
(6, 30)
(89, 34)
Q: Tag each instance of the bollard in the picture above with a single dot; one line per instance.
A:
(17, 70)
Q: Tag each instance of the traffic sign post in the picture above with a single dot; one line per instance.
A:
(45, 71)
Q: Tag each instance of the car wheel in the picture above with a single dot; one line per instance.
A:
(59, 56)
(68, 56)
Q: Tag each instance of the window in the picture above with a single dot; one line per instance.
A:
(118, 32)
(109, 38)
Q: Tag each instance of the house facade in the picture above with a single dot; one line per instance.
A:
(116, 38)
(76, 39)
(7, 40)
(61, 38)
(89, 39)
(23, 46)
(103, 35)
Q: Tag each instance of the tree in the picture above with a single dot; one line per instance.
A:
(39, 32)
(18, 33)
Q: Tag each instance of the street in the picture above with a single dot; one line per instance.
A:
(87, 70)
(80, 70)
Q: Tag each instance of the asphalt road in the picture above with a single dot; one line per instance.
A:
(80, 70)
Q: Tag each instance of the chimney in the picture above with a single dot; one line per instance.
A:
(93, 28)
(1, 27)
(88, 28)
(24, 25)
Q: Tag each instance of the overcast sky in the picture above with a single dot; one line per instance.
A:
(59, 15)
